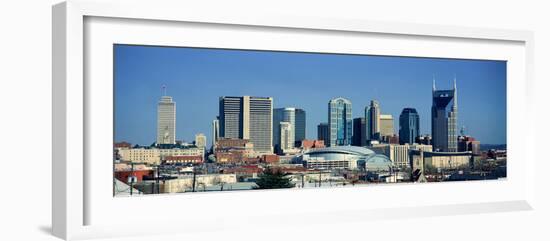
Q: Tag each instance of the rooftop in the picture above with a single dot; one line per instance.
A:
(343, 149)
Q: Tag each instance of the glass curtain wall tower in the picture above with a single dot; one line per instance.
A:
(409, 126)
(340, 122)
(444, 119)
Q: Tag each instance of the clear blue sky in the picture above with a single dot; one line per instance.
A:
(195, 78)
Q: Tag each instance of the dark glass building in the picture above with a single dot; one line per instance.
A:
(359, 132)
(322, 132)
(300, 130)
(409, 126)
(444, 119)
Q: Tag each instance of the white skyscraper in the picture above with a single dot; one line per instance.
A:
(386, 125)
(166, 121)
(286, 136)
(281, 115)
(215, 131)
(200, 140)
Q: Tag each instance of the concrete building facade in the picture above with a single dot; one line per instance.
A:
(166, 121)
(386, 125)
(248, 117)
(372, 118)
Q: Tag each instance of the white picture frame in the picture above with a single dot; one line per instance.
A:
(74, 197)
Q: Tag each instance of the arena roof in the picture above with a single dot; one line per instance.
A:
(356, 150)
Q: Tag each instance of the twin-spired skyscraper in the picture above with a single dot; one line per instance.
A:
(444, 119)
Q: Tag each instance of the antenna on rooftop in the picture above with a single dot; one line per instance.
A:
(433, 88)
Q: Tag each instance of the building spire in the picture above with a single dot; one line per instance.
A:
(164, 90)
(455, 94)
(433, 87)
(454, 83)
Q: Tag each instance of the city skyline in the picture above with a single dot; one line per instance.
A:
(483, 106)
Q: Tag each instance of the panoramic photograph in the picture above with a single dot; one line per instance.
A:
(192, 120)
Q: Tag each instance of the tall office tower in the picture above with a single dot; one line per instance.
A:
(249, 118)
(372, 118)
(286, 136)
(283, 115)
(340, 122)
(200, 141)
(386, 125)
(231, 117)
(322, 132)
(444, 119)
(215, 131)
(300, 127)
(359, 132)
(409, 126)
(166, 121)
(260, 127)
(296, 117)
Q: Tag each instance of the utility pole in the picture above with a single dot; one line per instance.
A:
(194, 178)
(157, 181)
(132, 179)
(320, 177)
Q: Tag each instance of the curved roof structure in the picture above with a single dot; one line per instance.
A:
(378, 162)
(340, 99)
(356, 150)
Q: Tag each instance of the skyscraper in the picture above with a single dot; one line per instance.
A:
(283, 115)
(200, 141)
(296, 117)
(340, 122)
(166, 121)
(359, 132)
(372, 118)
(260, 118)
(231, 117)
(215, 131)
(322, 132)
(444, 119)
(286, 136)
(386, 125)
(409, 126)
(300, 126)
(249, 118)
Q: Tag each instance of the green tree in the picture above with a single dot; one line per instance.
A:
(274, 178)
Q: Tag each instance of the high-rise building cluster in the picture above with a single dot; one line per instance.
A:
(249, 135)
(282, 130)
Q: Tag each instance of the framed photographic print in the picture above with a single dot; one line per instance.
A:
(228, 119)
